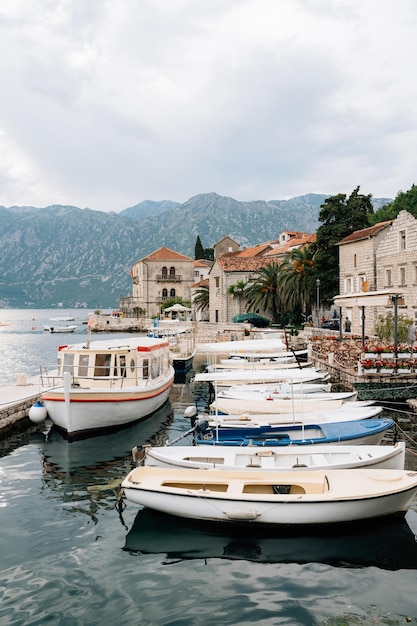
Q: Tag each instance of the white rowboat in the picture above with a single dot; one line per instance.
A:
(312, 497)
(306, 457)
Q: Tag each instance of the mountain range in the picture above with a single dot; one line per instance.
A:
(72, 257)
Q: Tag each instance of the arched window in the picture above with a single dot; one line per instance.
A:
(172, 271)
(165, 271)
(164, 294)
(172, 293)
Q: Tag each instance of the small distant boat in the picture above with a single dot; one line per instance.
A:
(61, 325)
(312, 497)
(107, 384)
(308, 457)
(67, 328)
(357, 432)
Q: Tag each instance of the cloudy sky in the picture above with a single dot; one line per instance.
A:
(105, 103)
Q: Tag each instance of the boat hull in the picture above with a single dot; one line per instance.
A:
(360, 432)
(309, 457)
(90, 411)
(334, 497)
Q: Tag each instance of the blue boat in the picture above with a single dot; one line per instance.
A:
(368, 431)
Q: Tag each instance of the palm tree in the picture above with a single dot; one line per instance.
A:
(263, 292)
(297, 279)
(201, 298)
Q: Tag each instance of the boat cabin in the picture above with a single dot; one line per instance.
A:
(123, 365)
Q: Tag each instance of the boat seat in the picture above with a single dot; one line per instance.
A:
(319, 459)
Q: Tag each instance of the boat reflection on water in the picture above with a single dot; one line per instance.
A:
(89, 471)
(389, 544)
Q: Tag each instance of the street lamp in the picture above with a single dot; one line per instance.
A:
(318, 301)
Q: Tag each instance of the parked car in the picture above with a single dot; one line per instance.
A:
(333, 324)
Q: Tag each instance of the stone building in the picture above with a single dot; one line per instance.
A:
(229, 269)
(375, 264)
(161, 275)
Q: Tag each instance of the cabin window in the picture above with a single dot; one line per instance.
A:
(145, 368)
(68, 363)
(122, 365)
(102, 365)
(155, 367)
(83, 365)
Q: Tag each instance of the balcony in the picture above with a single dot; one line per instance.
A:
(168, 278)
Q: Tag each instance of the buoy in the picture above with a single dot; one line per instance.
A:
(37, 413)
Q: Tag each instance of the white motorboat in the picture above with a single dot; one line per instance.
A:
(261, 364)
(312, 497)
(289, 394)
(107, 384)
(236, 406)
(60, 328)
(283, 388)
(307, 457)
(227, 378)
(346, 413)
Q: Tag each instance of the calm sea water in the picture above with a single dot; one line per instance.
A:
(67, 556)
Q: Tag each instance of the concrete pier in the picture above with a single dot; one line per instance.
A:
(16, 401)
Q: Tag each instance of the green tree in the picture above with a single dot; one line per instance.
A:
(208, 254)
(405, 201)
(238, 291)
(340, 216)
(297, 279)
(263, 292)
(176, 300)
(201, 298)
(198, 249)
(384, 328)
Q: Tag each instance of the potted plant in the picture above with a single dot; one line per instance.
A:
(386, 367)
(368, 366)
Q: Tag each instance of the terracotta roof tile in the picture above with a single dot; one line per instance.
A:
(166, 254)
(235, 263)
(201, 283)
(203, 263)
(365, 233)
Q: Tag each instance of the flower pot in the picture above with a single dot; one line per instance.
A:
(371, 355)
(403, 355)
(371, 370)
(403, 370)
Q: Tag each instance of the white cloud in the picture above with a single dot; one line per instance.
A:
(105, 103)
